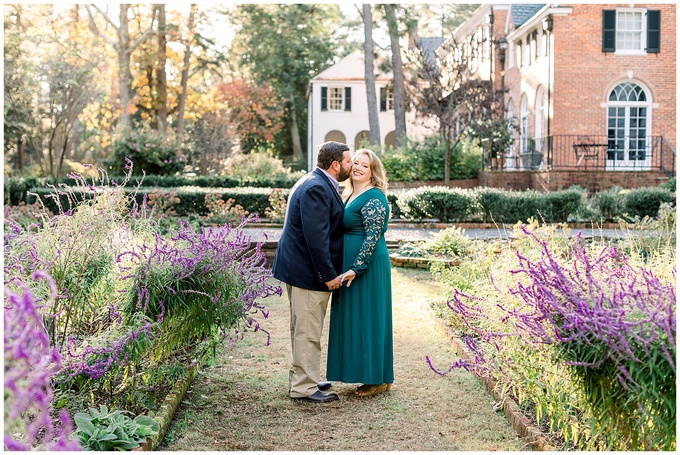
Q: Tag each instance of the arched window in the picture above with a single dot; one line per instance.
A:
(628, 126)
(540, 119)
(362, 137)
(510, 152)
(335, 135)
(524, 124)
(390, 141)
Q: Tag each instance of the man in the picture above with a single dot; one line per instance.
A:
(309, 260)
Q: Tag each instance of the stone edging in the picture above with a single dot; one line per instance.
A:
(419, 262)
(166, 412)
(436, 224)
(524, 427)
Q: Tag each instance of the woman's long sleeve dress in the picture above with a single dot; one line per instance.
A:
(360, 334)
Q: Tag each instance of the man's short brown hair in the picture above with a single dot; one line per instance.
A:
(328, 152)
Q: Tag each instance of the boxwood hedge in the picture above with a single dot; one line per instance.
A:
(440, 203)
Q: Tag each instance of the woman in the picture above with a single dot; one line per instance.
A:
(360, 334)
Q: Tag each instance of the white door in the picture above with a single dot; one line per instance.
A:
(628, 141)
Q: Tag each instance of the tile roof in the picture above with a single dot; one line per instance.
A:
(523, 12)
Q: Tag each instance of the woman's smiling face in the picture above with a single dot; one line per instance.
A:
(361, 171)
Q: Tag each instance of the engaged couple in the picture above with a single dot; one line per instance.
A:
(333, 248)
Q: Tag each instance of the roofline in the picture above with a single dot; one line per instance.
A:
(537, 18)
(358, 79)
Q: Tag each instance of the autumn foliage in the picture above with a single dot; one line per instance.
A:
(252, 110)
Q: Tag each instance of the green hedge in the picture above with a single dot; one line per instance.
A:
(503, 206)
(641, 202)
(16, 187)
(441, 203)
(445, 204)
(191, 199)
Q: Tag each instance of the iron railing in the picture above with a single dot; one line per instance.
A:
(587, 152)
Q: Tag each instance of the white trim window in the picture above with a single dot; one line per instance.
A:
(630, 34)
(628, 127)
(336, 98)
(386, 99)
(631, 31)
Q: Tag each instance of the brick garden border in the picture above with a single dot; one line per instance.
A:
(522, 425)
(166, 412)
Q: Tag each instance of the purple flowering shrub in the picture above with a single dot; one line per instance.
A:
(133, 304)
(586, 338)
(195, 287)
(77, 248)
(30, 362)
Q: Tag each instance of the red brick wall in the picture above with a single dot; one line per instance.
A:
(467, 183)
(583, 75)
(559, 180)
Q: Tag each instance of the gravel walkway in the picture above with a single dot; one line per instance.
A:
(416, 234)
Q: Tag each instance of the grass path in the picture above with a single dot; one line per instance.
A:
(241, 402)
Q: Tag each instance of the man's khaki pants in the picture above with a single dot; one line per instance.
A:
(307, 312)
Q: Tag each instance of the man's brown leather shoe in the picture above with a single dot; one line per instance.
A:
(318, 397)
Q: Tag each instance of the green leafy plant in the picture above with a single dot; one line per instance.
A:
(105, 430)
(451, 241)
(149, 150)
(253, 166)
(445, 204)
(412, 250)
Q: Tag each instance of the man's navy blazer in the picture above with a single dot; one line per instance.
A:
(310, 248)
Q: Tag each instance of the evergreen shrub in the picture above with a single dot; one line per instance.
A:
(503, 206)
(15, 188)
(446, 204)
(609, 204)
(670, 184)
(191, 198)
(425, 161)
(641, 202)
(149, 150)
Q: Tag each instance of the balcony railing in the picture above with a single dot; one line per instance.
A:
(583, 152)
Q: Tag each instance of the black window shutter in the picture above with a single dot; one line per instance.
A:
(348, 98)
(653, 31)
(608, 30)
(383, 99)
(324, 98)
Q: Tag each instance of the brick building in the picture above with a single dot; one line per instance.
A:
(589, 92)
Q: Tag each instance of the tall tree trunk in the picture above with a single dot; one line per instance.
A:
(161, 83)
(124, 73)
(398, 71)
(369, 76)
(447, 155)
(294, 131)
(185, 73)
(20, 153)
(124, 49)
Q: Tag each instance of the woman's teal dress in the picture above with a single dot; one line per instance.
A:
(360, 334)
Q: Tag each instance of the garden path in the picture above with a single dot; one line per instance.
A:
(259, 234)
(240, 403)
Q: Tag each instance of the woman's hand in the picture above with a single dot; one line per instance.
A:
(348, 276)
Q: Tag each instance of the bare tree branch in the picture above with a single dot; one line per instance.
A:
(95, 29)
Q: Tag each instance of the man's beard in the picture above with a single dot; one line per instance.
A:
(343, 175)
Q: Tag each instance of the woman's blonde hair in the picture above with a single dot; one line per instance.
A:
(378, 177)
